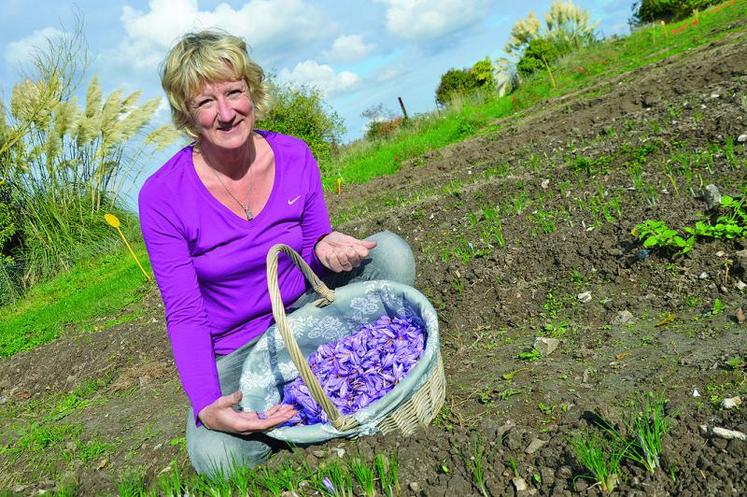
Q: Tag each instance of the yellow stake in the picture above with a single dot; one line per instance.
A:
(113, 221)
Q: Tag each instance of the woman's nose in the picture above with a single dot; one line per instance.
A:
(225, 110)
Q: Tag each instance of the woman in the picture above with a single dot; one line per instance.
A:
(209, 216)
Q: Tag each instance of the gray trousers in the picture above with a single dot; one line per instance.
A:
(213, 451)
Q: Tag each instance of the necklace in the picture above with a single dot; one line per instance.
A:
(246, 208)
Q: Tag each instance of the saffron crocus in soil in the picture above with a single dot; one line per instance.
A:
(358, 369)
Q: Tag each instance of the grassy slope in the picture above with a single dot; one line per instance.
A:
(94, 295)
(580, 70)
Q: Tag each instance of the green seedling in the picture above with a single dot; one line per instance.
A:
(736, 362)
(556, 330)
(474, 460)
(601, 456)
(545, 409)
(656, 234)
(510, 375)
(537, 479)
(364, 475)
(649, 427)
(530, 355)
(387, 469)
(716, 308)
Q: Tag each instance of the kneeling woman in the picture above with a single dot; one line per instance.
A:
(210, 215)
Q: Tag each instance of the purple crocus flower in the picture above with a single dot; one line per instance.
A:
(328, 485)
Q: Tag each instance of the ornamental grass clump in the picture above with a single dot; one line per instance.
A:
(358, 369)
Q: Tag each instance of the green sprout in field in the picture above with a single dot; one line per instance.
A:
(656, 234)
(649, 427)
(601, 456)
(364, 475)
(387, 470)
(474, 459)
(530, 355)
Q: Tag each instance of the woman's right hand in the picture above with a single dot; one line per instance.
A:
(221, 416)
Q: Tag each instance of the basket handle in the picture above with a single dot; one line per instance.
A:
(339, 421)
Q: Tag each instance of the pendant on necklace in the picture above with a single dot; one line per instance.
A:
(249, 214)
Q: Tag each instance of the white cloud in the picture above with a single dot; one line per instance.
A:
(428, 19)
(321, 76)
(20, 51)
(261, 22)
(348, 48)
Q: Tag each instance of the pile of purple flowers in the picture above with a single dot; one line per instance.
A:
(358, 369)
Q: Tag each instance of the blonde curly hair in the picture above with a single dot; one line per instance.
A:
(208, 57)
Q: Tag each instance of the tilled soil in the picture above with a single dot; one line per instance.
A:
(521, 233)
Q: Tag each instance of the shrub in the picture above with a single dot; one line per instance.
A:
(481, 76)
(302, 112)
(384, 129)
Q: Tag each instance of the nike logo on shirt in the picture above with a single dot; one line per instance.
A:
(293, 201)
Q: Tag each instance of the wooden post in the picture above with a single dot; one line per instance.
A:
(402, 105)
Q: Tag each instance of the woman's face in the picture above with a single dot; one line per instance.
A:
(224, 114)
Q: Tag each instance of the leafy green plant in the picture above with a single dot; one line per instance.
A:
(732, 224)
(556, 329)
(656, 234)
(736, 362)
(530, 355)
(601, 456)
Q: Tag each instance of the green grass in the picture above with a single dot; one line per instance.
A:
(582, 70)
(601, 457)
(92, 296)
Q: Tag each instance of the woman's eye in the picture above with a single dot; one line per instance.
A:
(203, 102)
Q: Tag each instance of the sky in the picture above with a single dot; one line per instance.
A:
(358, 53)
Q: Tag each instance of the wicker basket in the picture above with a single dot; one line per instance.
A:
(418, 409)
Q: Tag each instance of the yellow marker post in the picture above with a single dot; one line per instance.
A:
(113, 221)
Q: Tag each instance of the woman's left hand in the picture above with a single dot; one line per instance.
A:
(339, 252)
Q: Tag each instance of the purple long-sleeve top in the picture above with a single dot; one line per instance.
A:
(210, 264)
